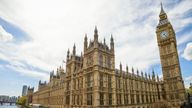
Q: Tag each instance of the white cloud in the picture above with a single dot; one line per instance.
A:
(55, 25)
(188, 80)
(187, 54)
(184, 38)
(30, 73)
(4, 35)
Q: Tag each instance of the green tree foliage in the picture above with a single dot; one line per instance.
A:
(21, 101)
(189, 90)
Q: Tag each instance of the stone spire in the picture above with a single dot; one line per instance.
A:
(146, 75)
(149, 76)
(68, 53)
(127, 69)
(96, 34)
(132, 70)
(74, 50)
(52, 73)
(57, 72)
(120, 66)
(158, 78)
(104, 41)
(137, 72)
(142, 73)
(39, 82)
(85, 42)
(112, 43)
(153, 74)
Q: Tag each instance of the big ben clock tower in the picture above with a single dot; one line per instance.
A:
(173, 82)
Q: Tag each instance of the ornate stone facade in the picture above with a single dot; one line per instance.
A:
(92, 81)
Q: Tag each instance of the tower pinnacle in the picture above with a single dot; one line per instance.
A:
(74, 50)
(112, 43)
(96, 34)
(85, 42)
(162, 10)
(68, 52)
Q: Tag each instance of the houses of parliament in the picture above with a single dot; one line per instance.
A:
(91, 80)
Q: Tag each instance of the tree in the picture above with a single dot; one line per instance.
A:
(21, 101)
(189, 91)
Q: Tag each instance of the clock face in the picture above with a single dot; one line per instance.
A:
(164, 34)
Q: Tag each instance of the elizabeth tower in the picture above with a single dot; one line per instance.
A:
(173, 82)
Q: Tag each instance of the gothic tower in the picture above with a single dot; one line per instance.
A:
(99, 69)
(173, 82)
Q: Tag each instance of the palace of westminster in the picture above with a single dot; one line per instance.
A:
(92, 80)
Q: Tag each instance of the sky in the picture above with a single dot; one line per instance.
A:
(36, 34)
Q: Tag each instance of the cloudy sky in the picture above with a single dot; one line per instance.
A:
(35, 35)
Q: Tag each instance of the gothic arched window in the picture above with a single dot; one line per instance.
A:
(100, 59)
(109, 62)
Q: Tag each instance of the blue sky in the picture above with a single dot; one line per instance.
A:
(34, 41)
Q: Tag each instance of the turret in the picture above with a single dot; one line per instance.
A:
(157, 78)
(96, 35)
(120, 68)
(149, 76)
(153, 75)
(127, 69)
(74, 50)
(142, 73)
(104, 41)
(51, 75)
(132, 70)
(112, 44)
(146, 75)
(68, 53)
(85, 42)
(58, 73)
(137, 72)
(39, 82)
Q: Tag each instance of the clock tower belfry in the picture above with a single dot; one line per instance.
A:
(173, 82)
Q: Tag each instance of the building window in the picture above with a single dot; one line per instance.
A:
(177, 96)
(74, 84)
(137, 86)
(109, 82)
(73, 99)
(100, 59)
(68, 85)
(101, 99)
(110, 99)
(101, 81)
(175, 86)
(168, 74)
(77, 99)
(132, 98)
(138, 98)
(119, 83)
(120, 99)
(67, 99)
(109, 62)
(126, 84)
(89, 99)
(90, 61)
(171, 96)
(89, 80)
(142, 98)
(126, 99)
(147, 100)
